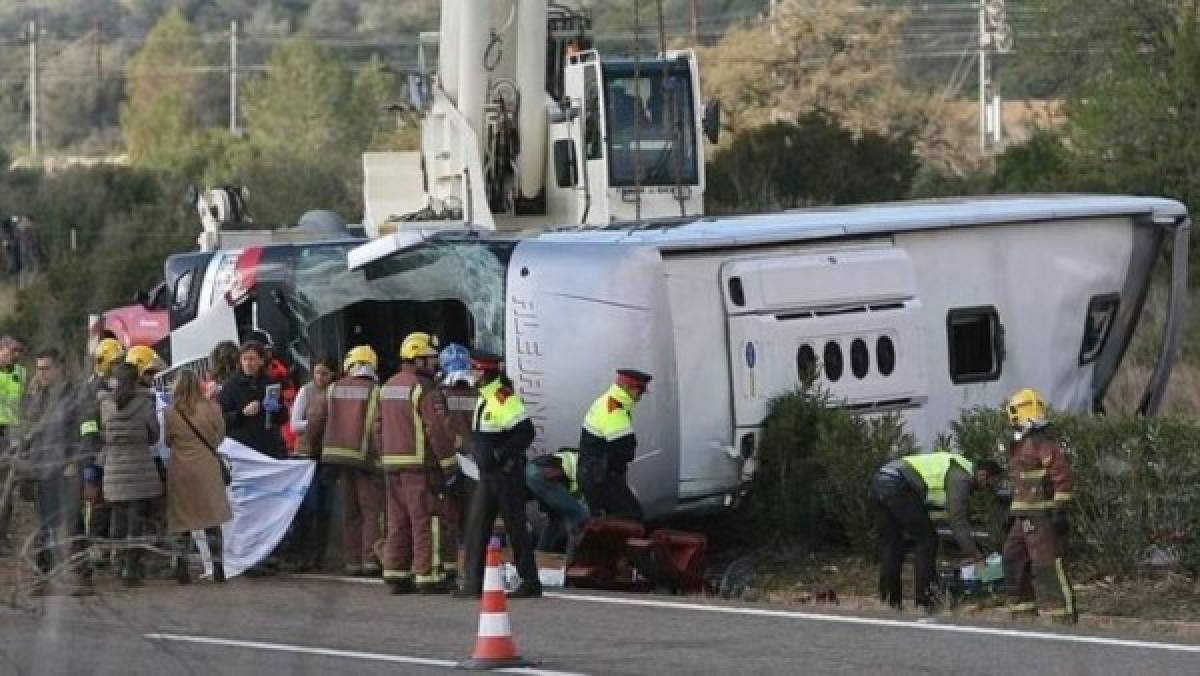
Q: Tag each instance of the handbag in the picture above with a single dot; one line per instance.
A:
(225, 474)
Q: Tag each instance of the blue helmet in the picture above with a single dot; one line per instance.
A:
(454, 358)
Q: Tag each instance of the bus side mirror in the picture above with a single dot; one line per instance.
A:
(712, 120)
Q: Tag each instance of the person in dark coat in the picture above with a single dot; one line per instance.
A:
(251, 417)
(131, 480)
(49, 443)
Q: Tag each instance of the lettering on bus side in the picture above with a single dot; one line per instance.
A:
(530, 365)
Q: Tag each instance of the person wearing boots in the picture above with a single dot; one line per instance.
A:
(196, 497)
(99, 387)
(417, 455)
(131, 481)
(607, 446)
(454, 364)
(48, 447)
(1040, 478)
(501, 435)
(351, 443)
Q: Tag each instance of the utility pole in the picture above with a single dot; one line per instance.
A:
(97, 31)
(695, 23)
(33, 89)
(233, 77)
(984, 39)
(995, 35)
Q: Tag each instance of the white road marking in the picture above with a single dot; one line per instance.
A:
(846, 619)
(878, 622)
(330, 652)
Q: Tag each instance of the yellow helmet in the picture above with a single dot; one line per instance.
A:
(360, 354)
(1026, 408)
(418, 345)
(108, 352)
(143, 359)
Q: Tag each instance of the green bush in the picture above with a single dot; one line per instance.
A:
(816, 461)
(1135, 485)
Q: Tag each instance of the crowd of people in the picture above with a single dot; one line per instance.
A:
(422, 462)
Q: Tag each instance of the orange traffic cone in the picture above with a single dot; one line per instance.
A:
(495, 648)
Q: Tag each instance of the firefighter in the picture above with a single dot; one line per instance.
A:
(417, 453)
(147, 362)
(501, 433)
(1040, 480)
(109, 352)
(607, 445)
(351, 444)
(908, 495)
(454, 362)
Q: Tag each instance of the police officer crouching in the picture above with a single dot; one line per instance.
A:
(908, 494)
(501, 434)
(607, 445)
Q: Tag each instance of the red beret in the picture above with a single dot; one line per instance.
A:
(485, 361)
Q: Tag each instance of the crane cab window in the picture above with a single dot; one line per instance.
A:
(650, 123)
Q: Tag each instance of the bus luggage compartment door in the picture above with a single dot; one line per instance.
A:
(848, 317)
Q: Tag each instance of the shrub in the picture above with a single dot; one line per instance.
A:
(1135, 479)
(816, 463)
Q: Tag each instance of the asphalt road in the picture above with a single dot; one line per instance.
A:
(312, 626)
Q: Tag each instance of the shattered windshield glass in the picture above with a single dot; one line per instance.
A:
(471, 273)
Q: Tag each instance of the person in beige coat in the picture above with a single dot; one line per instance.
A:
(196, 498)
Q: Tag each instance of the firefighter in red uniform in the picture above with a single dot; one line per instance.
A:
(417, 455)
(454, 363)
(351, 444)
(1040, 479)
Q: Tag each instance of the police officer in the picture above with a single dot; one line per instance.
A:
(909, 493)
(417, 455)
(13, 381)
(501, 434)
(351, 444)
(607, 445)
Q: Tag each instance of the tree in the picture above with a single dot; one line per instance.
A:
(813, 161)
(298, 109)
(839, 56)
(77, 101)
(165, 88)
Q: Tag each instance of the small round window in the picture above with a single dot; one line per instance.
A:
(860, 358)
(885, 355)
(833, 361)
(806, 363)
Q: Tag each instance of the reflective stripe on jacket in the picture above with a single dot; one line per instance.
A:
(932, 467)
(460, 407)
(415, 431)
(1039, 475)
(349, 426)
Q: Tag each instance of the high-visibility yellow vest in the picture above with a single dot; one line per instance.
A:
(12, 387)
(610, 416)
(500, 412)
(570, 465)
(932, 468)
